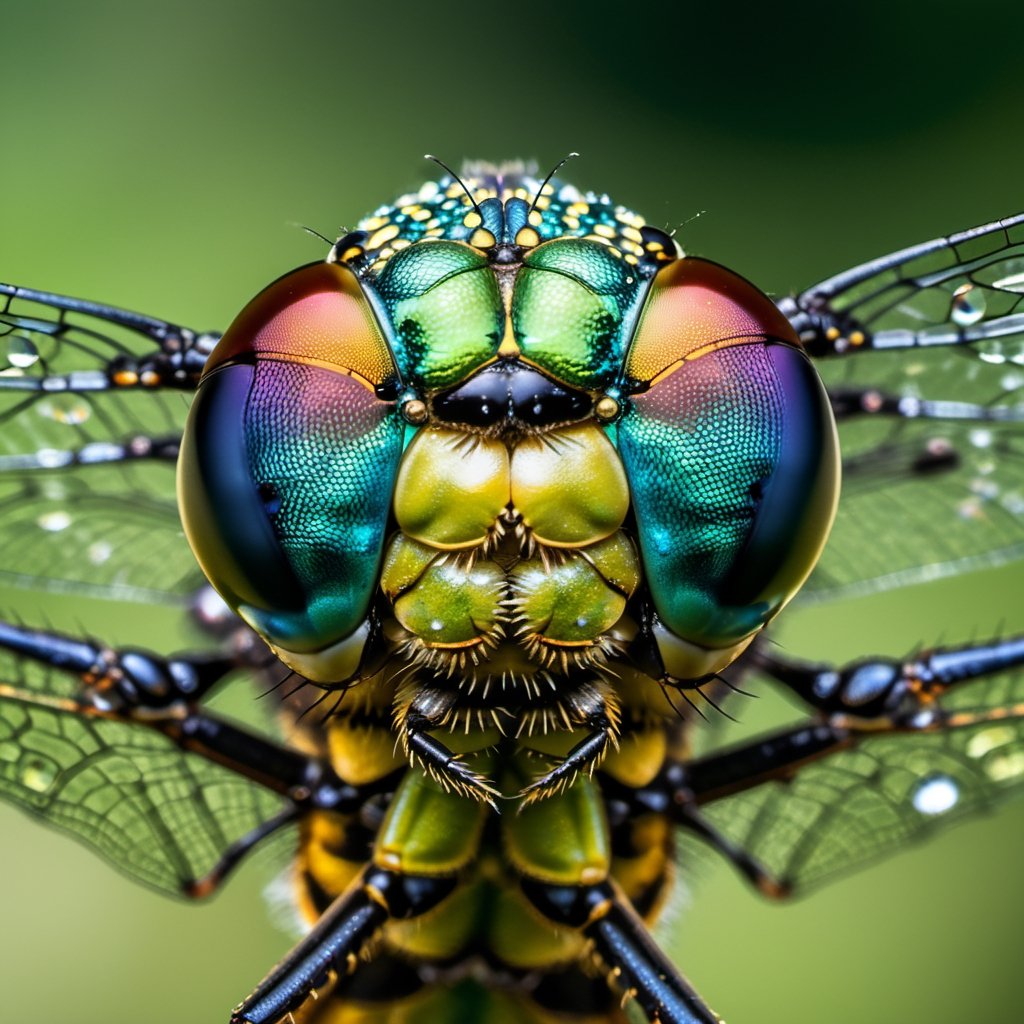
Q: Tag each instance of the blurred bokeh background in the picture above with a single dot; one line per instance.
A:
(164, 157)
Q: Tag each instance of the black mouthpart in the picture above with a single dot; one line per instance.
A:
(514, 394)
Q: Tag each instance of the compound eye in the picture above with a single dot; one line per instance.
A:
(731, 454)
(317, 316)
(695, 306)
(288, 461)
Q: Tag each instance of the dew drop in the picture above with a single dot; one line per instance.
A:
(968, 305)
(53, 490)
(99, 552)
(68, 409)
(970, 509)
(980, 438)
(211, 608)
(38, 774)
(437, 625)
(993, 356)
(936, 795)
(54, 522)
(1014, 503)
(987, 740)
(1005, 767)
(22, 352)
(985, 489)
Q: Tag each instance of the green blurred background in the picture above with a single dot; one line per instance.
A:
(161, 158)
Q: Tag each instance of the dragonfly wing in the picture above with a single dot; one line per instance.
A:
(893, 788)
(92, 403)
(923, 354)
(163, 816)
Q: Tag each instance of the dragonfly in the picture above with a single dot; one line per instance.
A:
(921, 357)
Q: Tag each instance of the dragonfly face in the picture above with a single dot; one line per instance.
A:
(508, 482)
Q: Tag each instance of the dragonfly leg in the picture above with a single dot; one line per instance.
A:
(856, 704)
(583, 757)
(126, 680)
(340, 938)
(428, 710)
(634, 962)
(200, 888)
(162, 694)
(591, 707)
(887, 688)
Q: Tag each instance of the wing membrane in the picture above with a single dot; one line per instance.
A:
(162, 816)
(859, 804)
(92, 402)
(923, 352)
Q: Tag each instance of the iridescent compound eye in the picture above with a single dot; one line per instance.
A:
(731, 452)
(287, 466)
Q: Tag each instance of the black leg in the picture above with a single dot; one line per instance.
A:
(897, 748)
(860, 701)
(583, 757)
(588, 705)
(750, 868)
(429, 709)
(340, 937)
(635, 964)
(162, 694)
(885, 687)
(200, 888)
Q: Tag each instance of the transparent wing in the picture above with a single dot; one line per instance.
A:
(160, 815)
(859, 804)
(923, 354)
(92, 402)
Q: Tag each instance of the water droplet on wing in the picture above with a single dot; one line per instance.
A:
(38, 773)
(968, 305)
(54, 522)
(935, 795)
(21, 351)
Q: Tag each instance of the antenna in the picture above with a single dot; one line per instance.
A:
(561, 163)
(469, 195)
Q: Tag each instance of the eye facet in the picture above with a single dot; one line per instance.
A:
(693, 306)
(287, 466)
(731, 454)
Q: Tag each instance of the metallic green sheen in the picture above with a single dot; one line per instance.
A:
(330, 452)
(444, 311)
(572, 310)
(695, 449)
